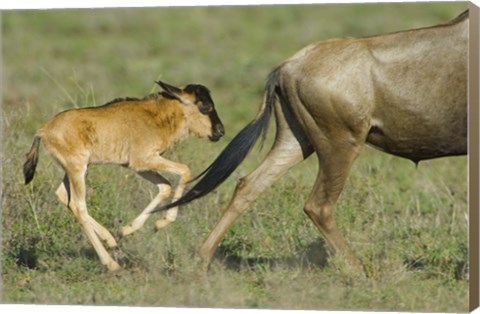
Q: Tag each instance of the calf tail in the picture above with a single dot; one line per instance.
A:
(32, 159)
(235, 152)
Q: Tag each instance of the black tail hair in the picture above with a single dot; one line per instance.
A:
(32, 160)
(235, 152)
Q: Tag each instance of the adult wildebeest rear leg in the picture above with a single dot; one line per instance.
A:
(63, 194)
(290, 148)
(335, 162)
(337, 128)
(164, 191)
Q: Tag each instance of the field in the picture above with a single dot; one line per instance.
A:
(407, 224)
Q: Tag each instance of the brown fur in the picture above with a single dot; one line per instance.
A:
(130, 132)
(404, 93)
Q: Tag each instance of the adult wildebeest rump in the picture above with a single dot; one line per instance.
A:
(133, 133)
(404, 93)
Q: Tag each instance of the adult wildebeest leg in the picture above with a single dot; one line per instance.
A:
(287, 151)
(335, 160)
(164, 191)
(160, 164)
(77, 203)
(337, 125)
(63, 193)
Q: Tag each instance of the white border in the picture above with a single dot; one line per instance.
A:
(56, 4)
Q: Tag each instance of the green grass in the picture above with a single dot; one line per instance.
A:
(408, 225)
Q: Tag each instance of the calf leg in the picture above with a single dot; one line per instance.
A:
(77, 204)
(63, 194)
(164, 191)
(157, 163)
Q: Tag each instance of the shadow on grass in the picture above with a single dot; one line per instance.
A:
(27, 257)
(315, 255)
(125, 258)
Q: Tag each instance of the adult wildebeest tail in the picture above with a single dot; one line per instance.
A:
(235, 152)
(32, 159)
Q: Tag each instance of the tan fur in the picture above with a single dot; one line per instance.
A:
(132, 133)
(404, 93)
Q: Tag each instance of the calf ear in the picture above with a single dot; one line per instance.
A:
(176, 93)
(170, 91)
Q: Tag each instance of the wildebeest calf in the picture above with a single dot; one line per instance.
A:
(133, 133)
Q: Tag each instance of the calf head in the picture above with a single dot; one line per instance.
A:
(197, 96)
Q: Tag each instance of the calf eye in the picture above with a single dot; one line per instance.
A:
(205, 109)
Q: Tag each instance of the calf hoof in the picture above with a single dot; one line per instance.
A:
(161, 223)
(113, 266)
(112, 243)
(127, 230)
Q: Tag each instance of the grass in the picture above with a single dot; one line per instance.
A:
(408, 225)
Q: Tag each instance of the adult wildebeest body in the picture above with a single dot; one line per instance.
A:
(404, 93)
(133, 133)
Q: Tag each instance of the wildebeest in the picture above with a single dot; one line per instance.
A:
(404, 93)
(133, 133)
